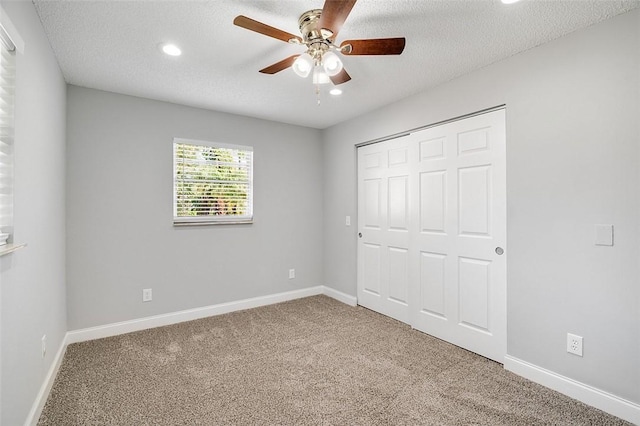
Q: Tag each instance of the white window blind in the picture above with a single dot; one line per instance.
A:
(213, 183)
(7, 84)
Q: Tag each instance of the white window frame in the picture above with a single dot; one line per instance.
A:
(212, 219)
(7, 104)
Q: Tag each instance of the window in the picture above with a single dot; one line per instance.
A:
(212, 183)
(7, 80)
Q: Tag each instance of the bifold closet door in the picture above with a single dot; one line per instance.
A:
(443, 190)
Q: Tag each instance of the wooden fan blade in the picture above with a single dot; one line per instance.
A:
(334, 13)
(341, 77)
(279, 66)
(259, 27)
(375, 46)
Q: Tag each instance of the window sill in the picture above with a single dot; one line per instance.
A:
(10, 248)
(202, 223)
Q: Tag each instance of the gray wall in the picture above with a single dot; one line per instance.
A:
(32, 280)
(573, 148)
(119, 211)
(573, 153)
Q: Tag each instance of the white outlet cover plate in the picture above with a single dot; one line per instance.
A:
(574, 344)
(147, 295)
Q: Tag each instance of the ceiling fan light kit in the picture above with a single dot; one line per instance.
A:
(331, 63)
(319, 76)
(319, 29)
(303, 65)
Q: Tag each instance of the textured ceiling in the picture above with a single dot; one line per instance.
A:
(113, 46)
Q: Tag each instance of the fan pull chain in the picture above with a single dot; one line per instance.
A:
(318, 93)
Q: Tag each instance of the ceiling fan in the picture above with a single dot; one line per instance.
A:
(319, 29)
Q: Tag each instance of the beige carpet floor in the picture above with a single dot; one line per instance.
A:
(312, 361)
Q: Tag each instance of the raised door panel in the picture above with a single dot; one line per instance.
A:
(398, 275)
(474, 200)
(433, 201)
(371, 268)
(371, 205)
(432, 284)
(432, 149)
(398, 205)
(398, 156)
(473, 141)
(372, 160)
(474, 288)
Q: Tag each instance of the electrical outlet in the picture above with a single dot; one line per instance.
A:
(348, 221)
(44, 345)
(146, 295)
(292, 274)
(574, 344)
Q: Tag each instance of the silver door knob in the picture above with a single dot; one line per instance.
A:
(499, 251)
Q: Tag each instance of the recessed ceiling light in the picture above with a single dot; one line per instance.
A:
(510, 1)
(335, 92)
(171, 49)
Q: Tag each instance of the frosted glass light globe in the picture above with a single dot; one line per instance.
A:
(331, 63)
(303, 65)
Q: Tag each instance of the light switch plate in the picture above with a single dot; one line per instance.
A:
(604, 235)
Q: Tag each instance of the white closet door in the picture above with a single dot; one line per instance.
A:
(384, 227)
(459, 277)
(432, 214)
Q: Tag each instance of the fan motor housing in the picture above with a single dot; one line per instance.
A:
(309, 27)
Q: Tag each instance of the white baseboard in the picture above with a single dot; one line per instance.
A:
(340, 296)
(602, 400)
(123, 327)
(130, 326)
(43, 393)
